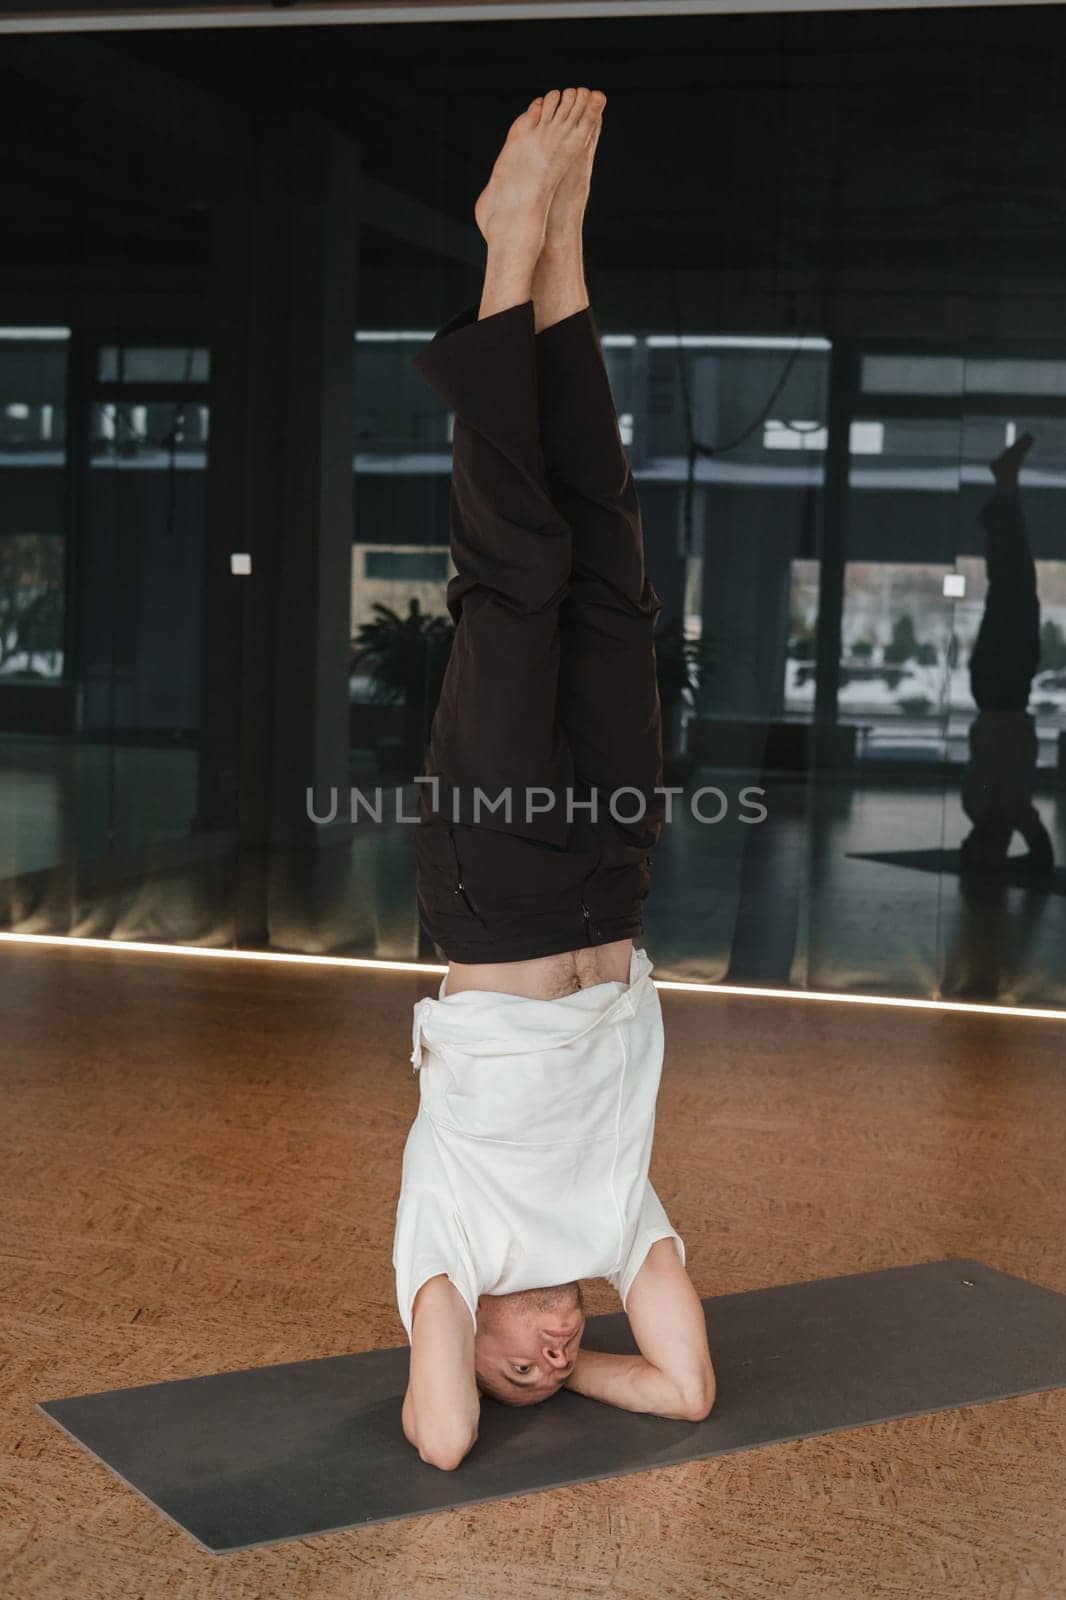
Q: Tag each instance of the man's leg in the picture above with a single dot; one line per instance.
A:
(495, 725)
(1006, 653)
(494, 888)
(608, 693)
(998, 786)
(495, 728)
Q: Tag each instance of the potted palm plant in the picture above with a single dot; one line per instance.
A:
(404, 658)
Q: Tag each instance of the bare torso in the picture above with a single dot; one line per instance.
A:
(546, 977)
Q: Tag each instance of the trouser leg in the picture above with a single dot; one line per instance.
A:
(493, 888)
(1006, 653)
(997, 788)
(608, 692)
(496, 728)
(553, 659)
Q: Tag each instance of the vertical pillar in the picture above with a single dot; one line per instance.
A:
(280, 488)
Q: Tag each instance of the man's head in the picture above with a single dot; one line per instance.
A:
(527, 1343)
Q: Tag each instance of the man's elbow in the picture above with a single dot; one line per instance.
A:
(446, 1451)
(697, 1400)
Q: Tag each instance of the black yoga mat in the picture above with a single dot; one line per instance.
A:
(253, 1457)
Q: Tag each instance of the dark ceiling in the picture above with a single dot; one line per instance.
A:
(893, 141)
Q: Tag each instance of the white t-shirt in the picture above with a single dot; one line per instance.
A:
(527, 1163)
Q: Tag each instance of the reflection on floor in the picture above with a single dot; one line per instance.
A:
(201, 1161)
(816, 896)
(63, 800)
(822, 893)
(103, 841)
(1015, 872)
(997, 932)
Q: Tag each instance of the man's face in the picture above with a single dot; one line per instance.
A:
(527, 1343)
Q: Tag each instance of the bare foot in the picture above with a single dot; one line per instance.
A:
(1008, 464)
(559, 280)
(538, 150)
(567, 210)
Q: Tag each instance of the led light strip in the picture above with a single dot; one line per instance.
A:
(214, 950)
(744, 990)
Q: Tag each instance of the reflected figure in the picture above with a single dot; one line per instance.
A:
(997, 788)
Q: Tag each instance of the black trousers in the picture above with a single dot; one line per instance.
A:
(1006, 653)
(998, 784)
(550, 696)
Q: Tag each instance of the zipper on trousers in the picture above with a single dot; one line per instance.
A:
(585, 912)
(461, 890)
(460, 887)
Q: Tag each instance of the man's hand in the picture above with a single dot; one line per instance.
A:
(673, 1375)
(442, 1407)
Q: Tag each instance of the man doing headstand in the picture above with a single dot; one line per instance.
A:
(526, 1168)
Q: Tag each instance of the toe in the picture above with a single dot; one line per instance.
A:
(582, 114)
(550, 105)
(567, 102)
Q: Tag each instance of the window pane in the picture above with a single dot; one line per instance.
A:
(33, 376)
(152, 364)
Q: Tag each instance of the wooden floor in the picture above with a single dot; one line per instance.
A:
(200, 1170)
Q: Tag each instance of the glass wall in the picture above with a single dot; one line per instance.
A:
(33, 559)
(33, 364)
(828, 305)
(113, 823)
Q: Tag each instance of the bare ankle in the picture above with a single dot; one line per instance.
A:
(509, 270)
(546, 315)
(558, 287)
(501, 297)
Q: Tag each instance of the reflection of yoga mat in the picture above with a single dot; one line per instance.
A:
(1012, 872)
(272, 1453)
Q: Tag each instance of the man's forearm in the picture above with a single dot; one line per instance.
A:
(441, 1407)
(629, 1382)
